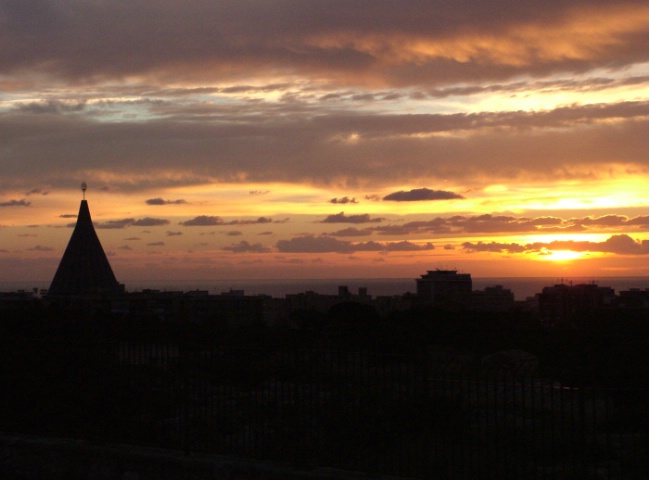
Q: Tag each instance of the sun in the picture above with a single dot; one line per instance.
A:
(561, 255)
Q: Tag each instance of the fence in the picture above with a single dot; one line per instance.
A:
(401, 415)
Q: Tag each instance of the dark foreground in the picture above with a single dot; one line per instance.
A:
(424, 395)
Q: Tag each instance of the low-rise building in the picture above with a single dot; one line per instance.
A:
(634, 298)
(561, 303)
(491, 299)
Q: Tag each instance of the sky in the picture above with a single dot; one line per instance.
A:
(261, 139)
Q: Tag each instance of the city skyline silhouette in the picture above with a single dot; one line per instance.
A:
(324, 239)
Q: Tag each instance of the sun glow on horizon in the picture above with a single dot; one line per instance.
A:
(561, 255)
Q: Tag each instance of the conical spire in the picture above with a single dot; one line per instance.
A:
(84, 267)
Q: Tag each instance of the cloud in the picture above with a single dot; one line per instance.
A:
(156, 244)
(343, 200)
(203, 221)
(437, 225)
(167, 152)
(15, 203)
(611, 221)
(624, 244)
(311, 244)
(209, 221)
(36, 191)
(325, 244)
(68, 215)
(173, 234)
(150, 222)
(616, 244)
(420, 194)
(542, 221)
(342, 218)
(373, 198)
(245, 247)
(160, 201)
(351, 232)
(488, 223)
(51, 107)
(405, 246)
(494, 247)
(258, 221)
(640, 220)
(127, 222)
(112, 224)
(503, 223)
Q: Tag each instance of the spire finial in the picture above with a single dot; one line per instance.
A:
(84, 187)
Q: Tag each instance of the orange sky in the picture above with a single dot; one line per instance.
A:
(308, 139)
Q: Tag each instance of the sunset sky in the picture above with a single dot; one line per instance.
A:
(326, 138)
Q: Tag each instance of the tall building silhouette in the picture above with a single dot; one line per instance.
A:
(84, 268)
(444, 287)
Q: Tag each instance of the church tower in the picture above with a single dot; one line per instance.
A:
(84, 267)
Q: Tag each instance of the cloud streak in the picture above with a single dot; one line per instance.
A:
(421, 194)
(210, 220)
(15, 203)
(505, 224)
(342, 218)
(616, 244)
(324, 244)
(127, 222)
(161, 201)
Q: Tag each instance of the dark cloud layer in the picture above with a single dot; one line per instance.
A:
(344, 54)
(80, 39)
(308, 145)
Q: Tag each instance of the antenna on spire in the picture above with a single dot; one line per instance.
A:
(84, 187)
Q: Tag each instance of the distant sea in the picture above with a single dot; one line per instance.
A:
(522, 287)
